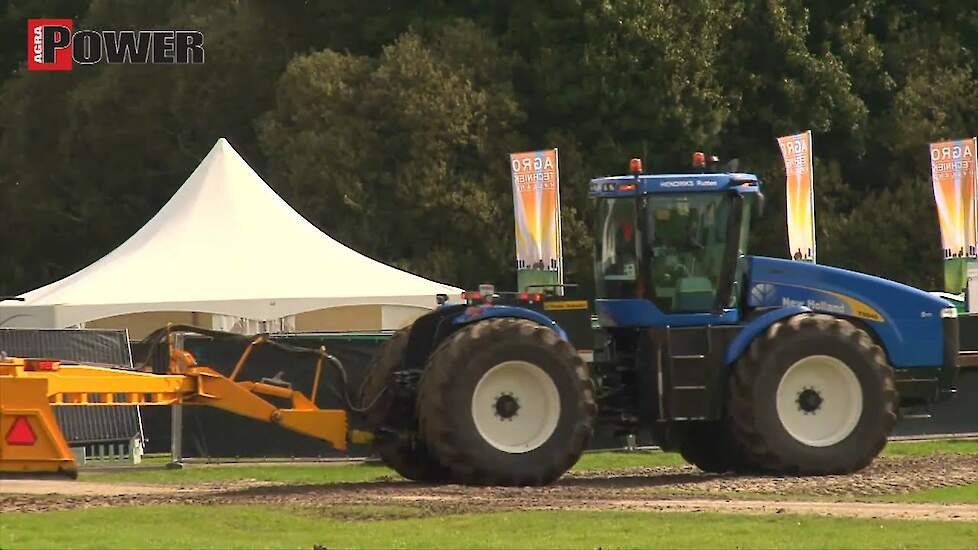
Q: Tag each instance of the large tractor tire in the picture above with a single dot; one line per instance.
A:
(814, 395)
(506, 402)
(406, 454)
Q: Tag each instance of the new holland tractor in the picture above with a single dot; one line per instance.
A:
(739, 362)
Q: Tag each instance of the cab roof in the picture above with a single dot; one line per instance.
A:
(630, 186)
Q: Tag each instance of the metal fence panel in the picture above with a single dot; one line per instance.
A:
(81, 424)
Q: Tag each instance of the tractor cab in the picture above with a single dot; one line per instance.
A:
(669, 247)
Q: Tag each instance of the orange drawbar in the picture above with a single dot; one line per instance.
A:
(32, 442)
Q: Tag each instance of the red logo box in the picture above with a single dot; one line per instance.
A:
(49, 44)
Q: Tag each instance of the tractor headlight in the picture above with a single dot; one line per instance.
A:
(949, 313)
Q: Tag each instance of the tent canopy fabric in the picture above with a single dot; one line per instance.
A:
(224, 243)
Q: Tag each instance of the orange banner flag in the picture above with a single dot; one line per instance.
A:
(796, 151)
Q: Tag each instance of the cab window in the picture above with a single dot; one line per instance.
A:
(687, 241)
(617, 248)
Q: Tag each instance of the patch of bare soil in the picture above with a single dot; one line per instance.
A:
(885, 476)
(59, 486)
(680, 488)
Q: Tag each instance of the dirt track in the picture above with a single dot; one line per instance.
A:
(680, 488)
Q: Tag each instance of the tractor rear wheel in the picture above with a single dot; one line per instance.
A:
(506, 402)
(813, 395)
(404, 453)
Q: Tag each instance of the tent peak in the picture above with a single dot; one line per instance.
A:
(233, 168)
(222, 145)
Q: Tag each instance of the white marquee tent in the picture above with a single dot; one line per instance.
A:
(224, 244)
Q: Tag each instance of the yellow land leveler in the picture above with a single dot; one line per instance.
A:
(31, 440)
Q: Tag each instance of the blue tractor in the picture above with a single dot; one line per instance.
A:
(739, 362)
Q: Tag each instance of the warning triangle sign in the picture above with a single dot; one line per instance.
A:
(20, 432)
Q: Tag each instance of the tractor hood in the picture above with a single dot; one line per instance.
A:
(906, 319)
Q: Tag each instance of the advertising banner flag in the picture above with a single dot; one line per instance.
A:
(536, 202)
(800, 195)
(955, 178)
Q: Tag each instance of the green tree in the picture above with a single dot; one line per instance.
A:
(388, 124)
(402, 158)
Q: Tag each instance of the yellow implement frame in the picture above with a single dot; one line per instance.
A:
(29, 388)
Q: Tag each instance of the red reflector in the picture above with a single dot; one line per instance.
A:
(20, 432)
(41, 364)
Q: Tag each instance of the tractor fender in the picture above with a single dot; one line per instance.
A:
(431, 329)
(481, 313)
(756, 327)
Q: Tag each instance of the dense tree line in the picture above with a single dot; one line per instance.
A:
(388, 124)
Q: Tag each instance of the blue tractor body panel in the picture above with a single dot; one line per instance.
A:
(643, 313)
(481, 313)
(907, 321)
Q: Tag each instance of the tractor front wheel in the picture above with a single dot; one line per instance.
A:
(813, 395)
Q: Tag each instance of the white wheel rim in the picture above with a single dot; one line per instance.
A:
(819, 401)
(537, 407)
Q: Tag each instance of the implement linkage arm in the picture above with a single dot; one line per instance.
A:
(32, 440)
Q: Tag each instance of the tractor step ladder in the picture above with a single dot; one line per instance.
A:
(687, 358)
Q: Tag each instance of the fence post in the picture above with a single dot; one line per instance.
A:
(176, 437)
(176, 419)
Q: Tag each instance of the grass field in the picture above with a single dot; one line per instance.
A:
(260, 525)
(903, 448)
(286, 473)
(276, 527)
(337, 473)
(964, 494)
